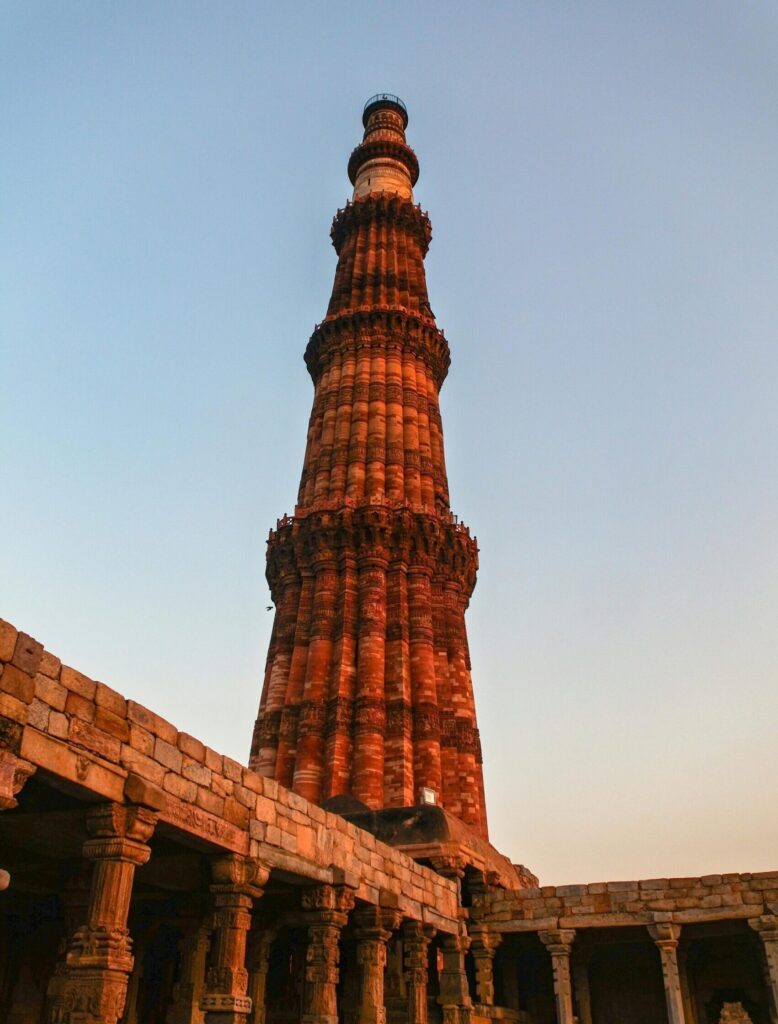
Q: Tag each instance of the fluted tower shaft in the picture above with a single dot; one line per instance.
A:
(367, 687)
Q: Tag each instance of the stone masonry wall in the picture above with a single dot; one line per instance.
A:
(102, 745)
(603, 904)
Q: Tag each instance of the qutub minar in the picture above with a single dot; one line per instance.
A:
(346, 874)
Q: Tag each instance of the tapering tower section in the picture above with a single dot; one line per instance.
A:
(367, 688)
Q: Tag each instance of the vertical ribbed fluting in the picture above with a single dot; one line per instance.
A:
(398, 762)
(436, 441)
(342, 427)
(379, 293)
(309, 760)
(306, 477)
(338, 747)
(410, 432)
(368, 271)
(324, 462)
(394, 266)
(360, 259)
(426, 720)
(376, 427)
(369, 705)
(449, 764)
(402, 264)
(425, 448)
(296, 678)
(315, 431)
(355, 479)
(394, 482)
(462, 704)
(277, 674)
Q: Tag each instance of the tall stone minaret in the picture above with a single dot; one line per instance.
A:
(367, 687)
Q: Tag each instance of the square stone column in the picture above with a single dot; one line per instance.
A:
(483, 946)
(767, 929)
(188, 990)
(374, 928)
(237, 883)
(454, 995)
(579, 966)
(258, 960)
(666, 935)
(559, 942)
(329, 907)
(416, 942)
(93, 986)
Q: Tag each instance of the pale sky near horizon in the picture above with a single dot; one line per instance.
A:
(601, 179)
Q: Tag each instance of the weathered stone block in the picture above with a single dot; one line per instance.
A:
(38, 715)
(79, 707)
(83, 734)
(182, 788)
(109, 699)
(27, 654)
(111, 723)
(196, 772)
(191, 747)
(168, 755)
(7, 640)
(78, 682)
(49, 665)
(134, 761)
(18, 684)
(50, 691)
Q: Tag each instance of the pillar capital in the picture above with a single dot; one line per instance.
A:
(558, 941)
(666, 934)
(14, 773)
(329, 903)
(119, 832)
(766, 926)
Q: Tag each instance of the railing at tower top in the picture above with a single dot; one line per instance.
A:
(385, 97)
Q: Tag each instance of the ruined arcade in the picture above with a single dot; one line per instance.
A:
(345, 874)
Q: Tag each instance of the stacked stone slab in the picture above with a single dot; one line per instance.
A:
(367, 689)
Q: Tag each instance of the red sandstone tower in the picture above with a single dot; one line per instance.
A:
(367, 688)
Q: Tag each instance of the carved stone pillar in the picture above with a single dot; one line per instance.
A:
(188, 990)
(237, 882)
(666, 935)
(579, 965)
(329, 906)
(454, 995)
(373, 931)
(258, 962)
(416, 941)
(483, 946)
(93, 986)
(767, 929)
(558, 941)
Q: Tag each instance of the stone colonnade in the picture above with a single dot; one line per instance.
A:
(96, 980)
(571, 979)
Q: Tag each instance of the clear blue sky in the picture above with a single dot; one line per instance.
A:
(601, 179)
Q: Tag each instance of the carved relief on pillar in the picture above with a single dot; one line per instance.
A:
(258, 962)
(483, 946)
(374, 927)
(666, 935)
(416, 941)
(559, 941)
(237, 883)
(93, 986)
(329, 907)
(454, 995)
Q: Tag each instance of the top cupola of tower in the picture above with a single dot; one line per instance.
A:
(384, 162)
